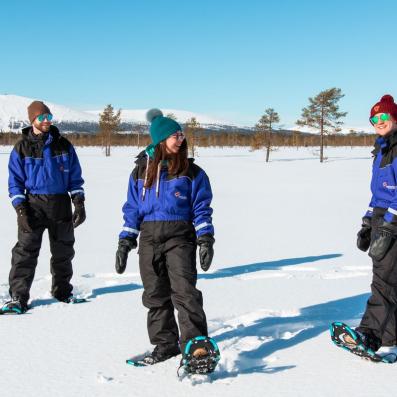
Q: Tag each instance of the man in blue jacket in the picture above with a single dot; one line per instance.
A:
(44, 177)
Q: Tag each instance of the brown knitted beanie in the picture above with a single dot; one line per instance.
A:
(36, 108)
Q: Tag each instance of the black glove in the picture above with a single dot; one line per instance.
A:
(364, 235)
(206, 252)
(383, 240)
(79, 210)
(22, 218)
(125, 246)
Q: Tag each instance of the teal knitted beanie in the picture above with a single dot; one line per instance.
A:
(160, 128)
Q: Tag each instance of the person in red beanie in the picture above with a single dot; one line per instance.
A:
(378, 233)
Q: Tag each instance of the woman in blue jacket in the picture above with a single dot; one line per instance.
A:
(379, 231)
(168, 205)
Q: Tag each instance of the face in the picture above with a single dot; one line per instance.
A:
(173, 142)
(42, 123)
(383, 127)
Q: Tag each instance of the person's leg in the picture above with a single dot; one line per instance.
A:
(161, 323)
(379, 317)
(24, 258)
(188, 300)
(61, 236)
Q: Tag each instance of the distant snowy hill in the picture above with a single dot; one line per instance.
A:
(139, 116)
(13, 115)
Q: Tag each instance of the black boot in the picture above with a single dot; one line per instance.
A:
(370, 341)
(15, 305)
(161, 354)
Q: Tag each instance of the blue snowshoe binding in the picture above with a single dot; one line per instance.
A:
(74, 300)
(348, 339)
(200, 356)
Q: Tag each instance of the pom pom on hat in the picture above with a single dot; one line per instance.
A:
(152, 114)
(387, 98)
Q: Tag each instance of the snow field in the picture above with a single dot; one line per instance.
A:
(285, 266)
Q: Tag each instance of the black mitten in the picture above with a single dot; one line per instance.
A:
(125, 246)
(79, 210)
(206, 251)
(382, 241)
(364, 235)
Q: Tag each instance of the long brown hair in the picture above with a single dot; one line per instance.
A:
(177, 163)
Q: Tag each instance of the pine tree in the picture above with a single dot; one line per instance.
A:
(191, 128)
(171, 116)
(323, 114)
(264, 128)
(109, 123)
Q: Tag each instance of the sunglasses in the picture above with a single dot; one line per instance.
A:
(178, 135)
(383, 117)
(45, 116)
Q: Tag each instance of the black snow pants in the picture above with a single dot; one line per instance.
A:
(52, 212)
(167, 263)
(380, 317)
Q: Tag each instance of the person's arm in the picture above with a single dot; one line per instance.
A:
(371, 206)
(130, 209)
(16, 179)
(201, 204)
(75, 179)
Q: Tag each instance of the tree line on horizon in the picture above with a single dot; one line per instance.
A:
(321, 114)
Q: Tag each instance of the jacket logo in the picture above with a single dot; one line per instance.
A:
(178, 195)
(390, 187)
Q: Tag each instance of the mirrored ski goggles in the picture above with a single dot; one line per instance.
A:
(376, 119)
(180, 136)
(44, 116)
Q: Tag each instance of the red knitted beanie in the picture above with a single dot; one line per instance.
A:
(385, 105)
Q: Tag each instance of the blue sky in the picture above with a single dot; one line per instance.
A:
(229, 58)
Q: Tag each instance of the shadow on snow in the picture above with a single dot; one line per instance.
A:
(221, 273)
(258, 267)
(288, 331)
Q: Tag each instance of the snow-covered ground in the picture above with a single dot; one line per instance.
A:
(285, 267)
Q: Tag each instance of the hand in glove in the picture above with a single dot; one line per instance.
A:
(364, 235)
(22, 218)
(125, 246)
(383, 240)
(206, 251)
(79, 210)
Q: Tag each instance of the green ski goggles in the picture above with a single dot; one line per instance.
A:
(375, 119)
(44, 116)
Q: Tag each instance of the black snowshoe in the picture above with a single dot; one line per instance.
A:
(200, 356)
(359, 344)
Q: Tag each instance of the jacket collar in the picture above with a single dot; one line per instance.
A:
(27, 133)
(385, 143)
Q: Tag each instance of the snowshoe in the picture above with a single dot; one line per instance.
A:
(200, 356)
(14, 306)
(156, 356)
(348, 339)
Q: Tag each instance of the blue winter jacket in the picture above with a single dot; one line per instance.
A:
(185, 197)
(43, 166)
(384, 178)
